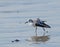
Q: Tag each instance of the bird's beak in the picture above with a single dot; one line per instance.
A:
(26, 22)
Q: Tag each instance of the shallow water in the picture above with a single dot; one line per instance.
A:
(14, 13)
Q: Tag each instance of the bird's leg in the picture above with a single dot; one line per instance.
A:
(36, 31)
(44, 32)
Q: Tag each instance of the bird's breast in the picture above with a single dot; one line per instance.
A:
(30, 23)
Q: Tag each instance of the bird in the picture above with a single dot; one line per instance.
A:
(38, 23)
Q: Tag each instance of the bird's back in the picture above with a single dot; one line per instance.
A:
(41, 23)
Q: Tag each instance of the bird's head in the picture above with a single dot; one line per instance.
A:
(29, 21)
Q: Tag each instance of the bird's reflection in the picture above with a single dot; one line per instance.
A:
(39, 39)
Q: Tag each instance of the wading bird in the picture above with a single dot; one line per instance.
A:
(38, 23)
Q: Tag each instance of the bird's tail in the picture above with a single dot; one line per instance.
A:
(47, 26)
